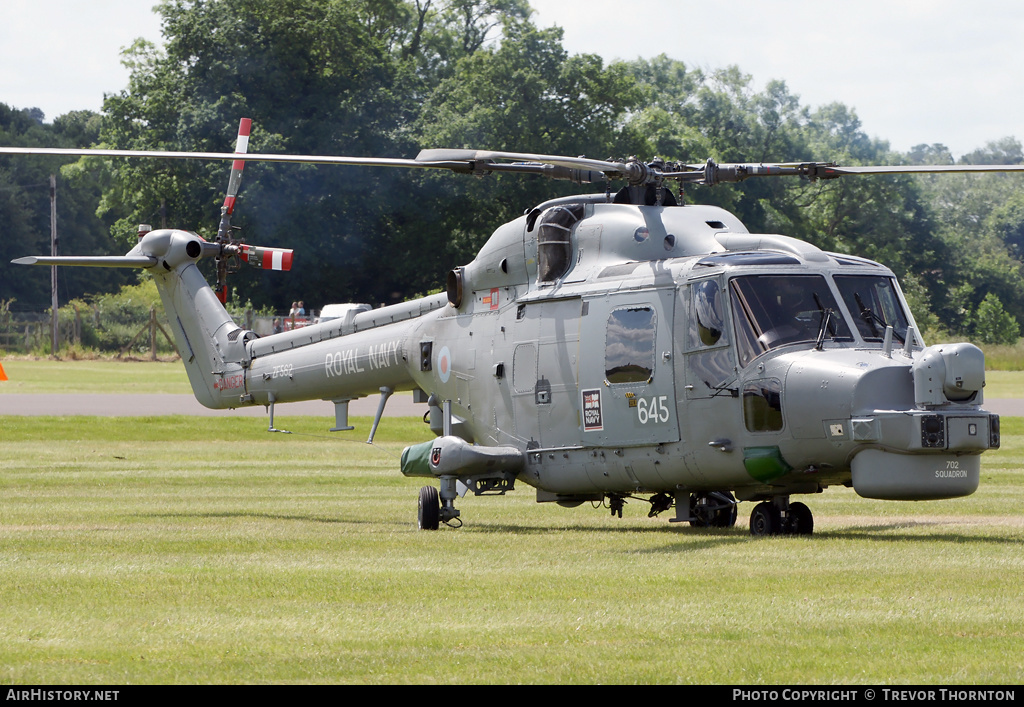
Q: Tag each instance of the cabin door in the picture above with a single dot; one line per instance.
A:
(627, 390)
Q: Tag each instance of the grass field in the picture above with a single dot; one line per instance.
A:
(99, 376)
(186, 550)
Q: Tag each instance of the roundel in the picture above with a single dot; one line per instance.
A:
(444, 364)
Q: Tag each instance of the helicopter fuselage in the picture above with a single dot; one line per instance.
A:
(604, 350)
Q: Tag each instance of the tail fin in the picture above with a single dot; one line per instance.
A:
(211, 345)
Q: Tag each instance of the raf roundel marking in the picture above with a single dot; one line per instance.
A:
(444, 364)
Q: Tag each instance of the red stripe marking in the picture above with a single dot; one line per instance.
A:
(286, 260)
(245, 126)
(238, 165)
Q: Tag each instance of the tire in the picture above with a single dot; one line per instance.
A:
(719, 515)
(698, 512)
(800, 520)
(765, 519)
(429, 512)
(725, 517)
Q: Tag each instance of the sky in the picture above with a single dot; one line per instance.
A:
(915, 71)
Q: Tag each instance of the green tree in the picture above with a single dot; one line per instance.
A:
(351, 77)
(318, 77)
(25, 210)
(993, 325)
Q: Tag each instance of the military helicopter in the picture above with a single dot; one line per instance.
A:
(611, 346)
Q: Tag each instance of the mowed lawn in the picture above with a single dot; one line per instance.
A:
(187, 550)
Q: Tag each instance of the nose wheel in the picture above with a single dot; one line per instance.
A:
(436, 507)
(428, 516)
(780, 517)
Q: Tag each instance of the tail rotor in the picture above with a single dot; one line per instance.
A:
(230, 247)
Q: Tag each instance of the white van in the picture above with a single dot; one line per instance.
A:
(345, 312)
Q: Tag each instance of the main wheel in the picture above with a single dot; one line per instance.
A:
(429, 513)
(800, 521)
(765, 519)
(700, 517)
(725, 515)
(714, 510)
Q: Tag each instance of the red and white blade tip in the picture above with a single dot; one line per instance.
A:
(267, 258)
(241, 147)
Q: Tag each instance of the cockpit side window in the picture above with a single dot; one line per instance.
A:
(629, 346)
(710, 360)
(775, 310)
(707, 315)
(874, 304)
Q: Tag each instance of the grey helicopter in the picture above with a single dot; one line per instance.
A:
(610, 347)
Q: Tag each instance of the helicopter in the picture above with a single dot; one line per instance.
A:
(610, 347)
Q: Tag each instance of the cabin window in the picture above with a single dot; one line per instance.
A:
(874, 304)
(524, 368)
(629, 346)
(775, 310)
(554, 241)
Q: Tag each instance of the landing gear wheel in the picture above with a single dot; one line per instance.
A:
(725, 515)
(765, 519)
(429, 513)
(714, 510)
(799, 521)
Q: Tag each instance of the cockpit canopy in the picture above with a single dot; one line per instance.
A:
(774, 310)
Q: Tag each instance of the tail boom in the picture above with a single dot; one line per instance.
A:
(230, 367)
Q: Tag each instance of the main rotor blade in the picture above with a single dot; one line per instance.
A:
(928, 169)
(455, 155)
(715, 173)
(460, 161)
(225, 156)
(464, 163)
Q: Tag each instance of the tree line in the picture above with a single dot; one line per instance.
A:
(389, 77)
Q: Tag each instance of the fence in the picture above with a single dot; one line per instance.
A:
(24, 332)
(137, 333)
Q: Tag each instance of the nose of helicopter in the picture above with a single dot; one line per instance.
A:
(908, 427)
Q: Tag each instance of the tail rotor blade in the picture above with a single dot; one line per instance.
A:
(95, 261)
(235, 180)
(224, 229)
(267, 258)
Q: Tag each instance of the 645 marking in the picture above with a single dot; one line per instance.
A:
(653, 412)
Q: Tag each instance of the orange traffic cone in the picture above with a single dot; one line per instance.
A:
(3, 376)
